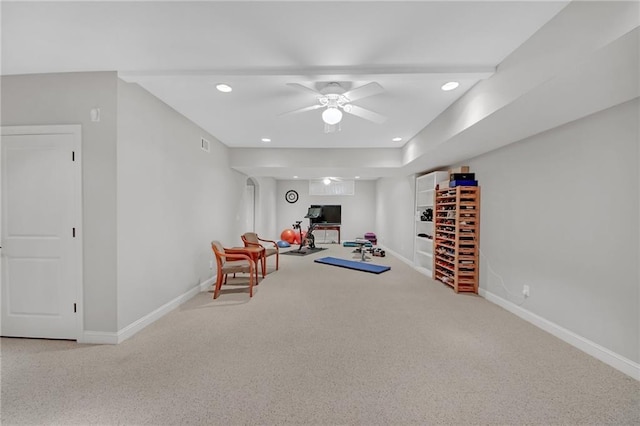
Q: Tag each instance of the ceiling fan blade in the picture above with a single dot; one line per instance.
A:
(305, 109)
(304, 88)
(368, 89)
(367, 114)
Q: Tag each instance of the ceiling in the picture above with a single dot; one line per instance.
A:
(179, 51)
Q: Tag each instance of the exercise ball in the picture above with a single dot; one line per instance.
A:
(288, 235)
(283, 244)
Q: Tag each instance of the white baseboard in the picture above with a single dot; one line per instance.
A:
(204, 286)
(108, 338)
(597, 351)
(99, 338)
(395, 254)
(423, 271)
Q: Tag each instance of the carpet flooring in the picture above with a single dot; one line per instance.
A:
(308, 348)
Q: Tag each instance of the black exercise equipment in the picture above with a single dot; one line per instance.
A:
(308, 240)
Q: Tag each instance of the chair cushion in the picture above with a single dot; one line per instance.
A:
(269, 251)
(233, 266)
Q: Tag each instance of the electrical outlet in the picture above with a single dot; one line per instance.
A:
(211, 264)
(525, 291)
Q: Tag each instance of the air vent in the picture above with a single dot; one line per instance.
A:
(205, 145)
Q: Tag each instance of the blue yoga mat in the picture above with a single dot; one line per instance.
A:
(360, 266)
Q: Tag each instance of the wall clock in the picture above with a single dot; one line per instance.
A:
(291, 196)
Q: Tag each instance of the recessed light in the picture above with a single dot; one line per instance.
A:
(265, 140)
(326, 181)
(357, 177)
(295, 177)
(450, 85)
(396, 139)
(224, 87)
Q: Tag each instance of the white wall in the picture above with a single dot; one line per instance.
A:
(173, 199)
(560, 213)
(395, 200)
(67, 99)
(358, 211)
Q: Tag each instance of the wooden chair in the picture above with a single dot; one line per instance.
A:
(252, 239)
(231, 263)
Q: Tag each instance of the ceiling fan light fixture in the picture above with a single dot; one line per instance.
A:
(450, 86)
(334, 101)
(332, 115)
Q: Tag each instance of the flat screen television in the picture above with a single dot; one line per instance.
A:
(331, 214)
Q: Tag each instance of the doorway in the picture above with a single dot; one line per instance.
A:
(41, 216)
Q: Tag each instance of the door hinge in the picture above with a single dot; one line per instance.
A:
(73, 156)
(75, 308)
(73, 232)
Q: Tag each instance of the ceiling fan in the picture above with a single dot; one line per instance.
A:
(335, 99)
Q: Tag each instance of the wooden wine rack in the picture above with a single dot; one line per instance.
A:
(457, 237)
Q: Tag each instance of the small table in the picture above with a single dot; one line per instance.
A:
(255, 253)
(320, 226)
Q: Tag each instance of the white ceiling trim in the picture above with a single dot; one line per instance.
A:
(450, 72)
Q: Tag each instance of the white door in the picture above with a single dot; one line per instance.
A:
(41, 249)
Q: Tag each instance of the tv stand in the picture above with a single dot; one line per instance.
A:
(328, 227)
